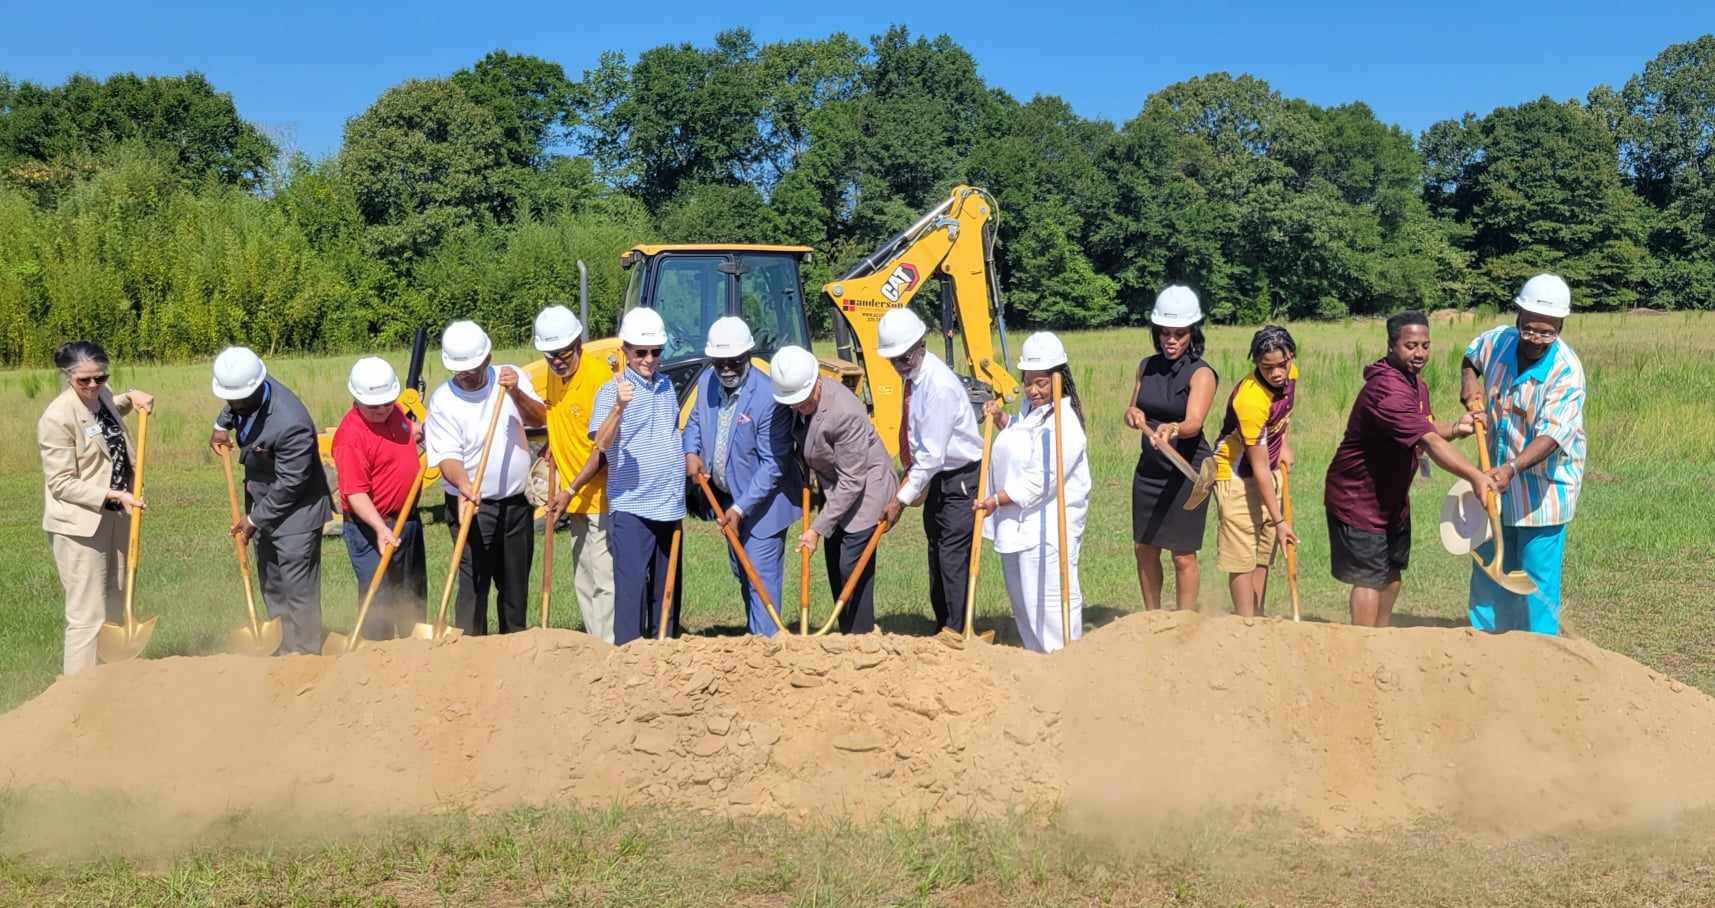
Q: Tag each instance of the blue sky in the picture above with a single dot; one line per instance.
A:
(301, 70)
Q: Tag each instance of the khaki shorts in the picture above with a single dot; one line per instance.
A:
(1244, 540)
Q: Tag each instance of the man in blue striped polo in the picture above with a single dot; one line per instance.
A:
(634, 422)
(1530, 387)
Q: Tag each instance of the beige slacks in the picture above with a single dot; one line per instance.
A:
(594, 580)
(92, 572)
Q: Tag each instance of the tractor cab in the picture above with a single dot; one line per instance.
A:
(693, 285)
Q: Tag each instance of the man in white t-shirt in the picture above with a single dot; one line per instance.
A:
(501, 544)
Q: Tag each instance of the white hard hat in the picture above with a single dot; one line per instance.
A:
(556, 329)
(898, 331)
(464, 346)
(1545, 294)
(643, 328)
(238, 372)
(1176, 307)
(793, 371)
(1041, 351)
(373, 382)
(729, 337)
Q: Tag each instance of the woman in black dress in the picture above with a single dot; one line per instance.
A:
(1170, 400)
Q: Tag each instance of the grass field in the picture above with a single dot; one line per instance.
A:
(1640, 573)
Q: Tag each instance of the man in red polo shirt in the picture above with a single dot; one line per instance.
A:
(1368, 492)
(375, 455)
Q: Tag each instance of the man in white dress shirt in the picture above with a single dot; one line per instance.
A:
(941, 450)
(502, 542)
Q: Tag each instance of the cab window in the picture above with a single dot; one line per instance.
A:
(690, 293)
(768, 302)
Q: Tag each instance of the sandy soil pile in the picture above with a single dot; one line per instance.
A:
(1154, 714)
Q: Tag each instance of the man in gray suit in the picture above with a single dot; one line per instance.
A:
(285, 491)
(839, 444)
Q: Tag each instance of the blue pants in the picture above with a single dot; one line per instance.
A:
(399, 603)
(766, 554)
(1539, 552)
(640, 548)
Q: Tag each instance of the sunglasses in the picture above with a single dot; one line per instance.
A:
(646, 352)
(560, 356)
(91, 380)
(730, 365)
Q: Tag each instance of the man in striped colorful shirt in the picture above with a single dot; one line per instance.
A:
(1530, 386)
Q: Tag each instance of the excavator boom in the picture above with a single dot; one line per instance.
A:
(952, 243)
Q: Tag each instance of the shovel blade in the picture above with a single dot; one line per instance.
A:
(117, 642)
(340, 644)
(427, 632)
(1517, 582)
(266, 642)
(1200, 488)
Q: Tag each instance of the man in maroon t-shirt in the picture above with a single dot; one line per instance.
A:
(375, 456)
(1368, 492)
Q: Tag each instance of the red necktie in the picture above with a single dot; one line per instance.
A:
(905, 429)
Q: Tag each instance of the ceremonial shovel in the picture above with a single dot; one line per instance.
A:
(738, 552)
(258, 638)
(977, 536)
(467, 515)
(339, 644)
(856, 575)
(118, 642)
(1514, 581)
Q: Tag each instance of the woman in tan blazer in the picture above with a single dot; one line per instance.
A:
(87, 461)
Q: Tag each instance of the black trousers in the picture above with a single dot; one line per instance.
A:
(841, 551)
(640, 547)
(947, 519)
(497, 553)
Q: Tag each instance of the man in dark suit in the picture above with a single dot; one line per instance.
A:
(741, 440)
(285, 491)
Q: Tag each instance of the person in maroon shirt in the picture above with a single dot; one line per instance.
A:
(376, 459)
(1368, 491)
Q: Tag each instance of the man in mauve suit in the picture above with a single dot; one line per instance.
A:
(285, 491)
(839, 444)
(741, 441)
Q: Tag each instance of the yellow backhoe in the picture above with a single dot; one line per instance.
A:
(952, 244)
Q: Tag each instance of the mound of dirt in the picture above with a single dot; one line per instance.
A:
(1155, 714)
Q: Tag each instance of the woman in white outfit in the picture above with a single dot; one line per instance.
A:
(1023, 521)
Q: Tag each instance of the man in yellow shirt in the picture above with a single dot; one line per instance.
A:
(568, 384)
(1251, 451)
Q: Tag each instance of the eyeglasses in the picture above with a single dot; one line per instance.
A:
(90, 381)
(646, 352)
(561, 356)
(1541, 337)
(730, 365)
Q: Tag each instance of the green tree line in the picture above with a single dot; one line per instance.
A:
(147, 213)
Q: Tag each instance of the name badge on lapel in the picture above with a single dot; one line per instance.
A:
(91, 431)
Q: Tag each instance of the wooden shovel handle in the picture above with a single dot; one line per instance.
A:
(1291, 548)
(1060, 515)
(1172, 456)
(549, 518)
(387, 556)
(977, 528)
(467, 510)
(667, 585)
(804, 569)
(738, 552)
(856, 575)
(134, 544)
(238, 546)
